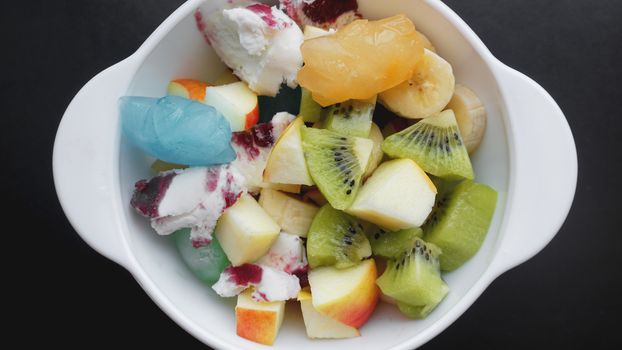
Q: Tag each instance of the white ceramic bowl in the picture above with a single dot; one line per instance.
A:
(528, 155)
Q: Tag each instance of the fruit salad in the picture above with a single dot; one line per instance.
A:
(329, 166)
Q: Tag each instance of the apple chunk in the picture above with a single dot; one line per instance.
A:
(258, 321)
(397, 196)
(236, 102)
(293, 215)
(245, 231)
(187, 88)
(321, 326)
(346, 295)
(286, 163)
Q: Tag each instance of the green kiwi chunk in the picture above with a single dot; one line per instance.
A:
(414, 280)
(459, 221)
(310, 110)
(352, 117)
(336, 163)
(392, 245)
(435, 144)
(336, 239)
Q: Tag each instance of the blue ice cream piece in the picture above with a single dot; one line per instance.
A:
(177, 130)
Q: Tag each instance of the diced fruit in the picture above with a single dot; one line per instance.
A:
(336, 163)
(427, 91)
(320, 326)
(246, 231)
(459, 221)
(236, 102)
(286, 163)
(435, 144)
(312, 32)
(414, 279)
(206, 262)
(315, 196)
(310, 110)
(258, 321)
(392, 245)
(293, 215)
(187, 88)
(376, 152)
(470, 116)
(227, 77)
(336, 238)
(253, 147)
(346, 295)
(352, 117)
(159, 166)
(397, 196)
(347, 65)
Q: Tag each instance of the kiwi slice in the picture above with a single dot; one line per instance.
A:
(336, 163)
(336, 238)
(435, 144)
(416, 312)
(459, 221)
(392, 245)
(414, 280)
(351, 117)
(309, 109)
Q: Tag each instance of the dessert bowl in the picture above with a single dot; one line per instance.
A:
(528, 155)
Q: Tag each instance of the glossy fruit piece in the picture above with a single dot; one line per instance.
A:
(187, 88)
(258, 321)
(415, 279)
(336, 239)
(425, 93)
(310, 110)
(320, 326)
(392, 245)
(246, 231)
(346, 295)
(286, 163)
(352, 117)
(206, 262)
(399, 195)
(293, 215)
(346, 65)
(460, 220)
(376, 152)
(236, 102)
(336, 163)
(470, 115)
(435, 144)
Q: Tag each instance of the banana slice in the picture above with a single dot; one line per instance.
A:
(470, 115)
(426, 93)
(426, 42)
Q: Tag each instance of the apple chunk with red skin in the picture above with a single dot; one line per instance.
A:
(346, 295)
(258, 321)
(320, 326)
(236, 102)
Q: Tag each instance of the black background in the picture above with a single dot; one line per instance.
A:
(62, 293)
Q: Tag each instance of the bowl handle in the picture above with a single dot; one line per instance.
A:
(544, 173)
(85, 161)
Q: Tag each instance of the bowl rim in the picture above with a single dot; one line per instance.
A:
(502, 259)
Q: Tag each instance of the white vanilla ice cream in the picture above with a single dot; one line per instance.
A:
(260, 43)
